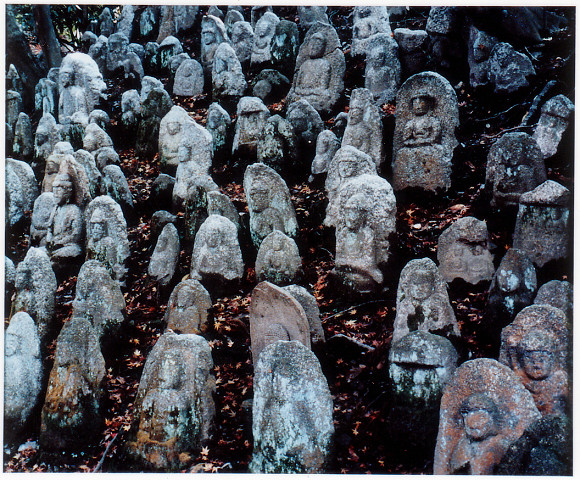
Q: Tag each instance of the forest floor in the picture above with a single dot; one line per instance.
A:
(365, 440)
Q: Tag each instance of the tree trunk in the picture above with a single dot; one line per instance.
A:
(18, 53)
(46, 36)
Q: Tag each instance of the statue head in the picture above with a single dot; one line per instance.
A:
(423, 285)
(62, 188)
(377, 57)
(536, 350)
(421, 104)
(184, 297)
(260, 198)
(23, 278)
(317, 45)
(355, 211)
(208, 33)
(98, 225)
(480, 417)
(12, 344)
(173, 127)
(66, 76)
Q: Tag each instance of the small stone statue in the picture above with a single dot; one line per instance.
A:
(243, 40)
(368, 22)
(265, 29)
(227, 77)
(278, 259)
(383, 69)
(213, 33)
(326, 147)
(252, 115)
(188, 308)
(554, 120)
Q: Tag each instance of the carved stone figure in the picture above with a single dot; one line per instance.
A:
(463, 251)
(232, 16)
(319, 72)
(542, 229)
(269, 203)
(93, 174)
(368, 22)
(278, 259)
(156, 105)
(309, 15)
(422, 301)
(22, 372)
(220, 204)
(62, 152)
(364, 130)
(484, 409)
(252, 115)
(265, 29)
(171, 132)
(554, 121)
(347, 163)
(120, 57)
(23, 145)
(284, 47)
(46, 96)
(13, 107)
(131, 108)
(292, 411)
(275, 315)
(326, 147)
(424, 139)
(227, 77)
(115, 185)
(307, 125)
(165, 256)
(174, 405)
(216, 252)
(557, 294)
(310, 306)
(514, 166)
(44, 207)
(188, 308)
(277, 148)
(413, 46)
(257, 12)
(508, 69)
(217, 124)
(535, 346)
(213, 33)
(243, 40)
(21, 189)
(189, 80)
(363, 234)
(71, 414)
(479, 47)
(98, 298)
(46, 137)
(271, 86)
(107, 239)
(106, 25)
(383, 69)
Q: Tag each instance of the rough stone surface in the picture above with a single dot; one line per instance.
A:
(161, 218)
(515, 165)
(44, 207)
(176, 62)
(147, 84)
(88, 162)
(424, 140)
(542, 228)
(171, 131)
(364, 130)
(292, 411)
(347, 163)
(217, 124)
(21, 189)
(309, 15)
(232, 16)
(46, 137)
(220, 204)
(545, 448)
(535, 346)
(319, 71)
(131, 108)
(115, 185)
(363, 234)
(227, 77)
(189, 79)
(46, 96)
(23, 145)
(278, 259)
(252, 115)
(62, 152)
(216, 251)
(413, 46)
(13, 107)
(106, 24)
(35, 286)
(162, 190)
(120, 57)
(168, 49)
(277, 148)
(367, 23)
(167, 24)
(243, 40)
(310, 306)
(107, 239)
(22, 372)
(383, 68)
(98, 299)
(463, 251)
(554, 120)
(263, 33)
(125, 21)
(326, 147)
(484, 409)
(184, 16)
(213, 33)
(257, 12)
(165, 256)
(271, 86)
(508, 69)
(307, 125)
(156, 105)
(147, 21)
(512, 288)
(269, 203)
(174, 405)
(422, 301)
(284, 47)
(188, 308)
(71, 413)
(479, 47)
(557, 294)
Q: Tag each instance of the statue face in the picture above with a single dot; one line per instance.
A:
(65, 78)
(184, 298)
(317, 46)
(12, 344)
(420, 106)
(208, 34)
(377, 58)
(354, 214)
(424, 285)
(98, 230)
(173, 128)
(478, 424)
(538, 364)
(62, 190)
(260, 199)
(52, 166)
(213, 119)
(356, 114)
(214, 239)
(346, 168)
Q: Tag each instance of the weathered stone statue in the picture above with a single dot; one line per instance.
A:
(310, 306)
(484, 409)
(278, 259)
(479, 47)
(554, 121)
(189, 80)
(45, 138)
(243, 41)
(363, 234)
(46, 96)
(284, 47)
(542, 229)
(23, 145)
(44, 207)
(364, 130)
(165, 256)
(557, 294)
(368, 22)
(535, 346)
(188, 308)
(131, 108)
(509, 69)
(424, 140)
(307, 125)
(269, 203)
(383, 69)
(227, 77)
(326, 147)
(265, 29)
(71, 413)
(292, 411)
(22, 372)
(278, 147)
(174, 405)
(62, 152)
(422, 302)
(156, 105)
(220, 204)
(320, 66)
(309, 15)
(515, 165)
(252, 115)
(217, 124)
(171, 132)
(463, 251)
(21, 189)
(213, 33)
(107, 239)
(120, 57)
(216, 252)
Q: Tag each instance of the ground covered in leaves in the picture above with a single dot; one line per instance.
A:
(358, 380)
